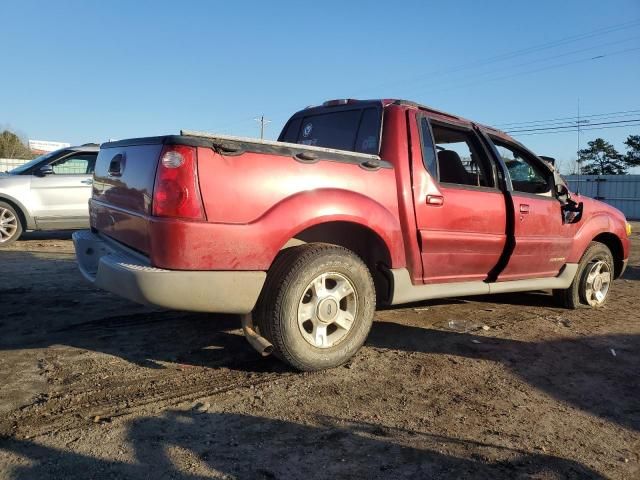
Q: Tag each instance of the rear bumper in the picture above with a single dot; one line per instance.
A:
(109, 266)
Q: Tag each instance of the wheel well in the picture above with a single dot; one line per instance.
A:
(361, 240)
(615, 245)
(21, 215)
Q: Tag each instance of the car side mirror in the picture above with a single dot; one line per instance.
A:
(44, 170)
(572, 212)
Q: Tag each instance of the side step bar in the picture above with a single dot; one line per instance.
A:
(405, 292)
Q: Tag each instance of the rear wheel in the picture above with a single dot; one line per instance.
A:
(592, 283)
(317, 306)
(10, 226)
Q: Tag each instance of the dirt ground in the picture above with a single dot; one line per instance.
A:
(93, 386)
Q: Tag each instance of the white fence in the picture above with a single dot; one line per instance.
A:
(10, 163)
(621, 191)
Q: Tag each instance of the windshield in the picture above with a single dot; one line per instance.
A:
(26, 166)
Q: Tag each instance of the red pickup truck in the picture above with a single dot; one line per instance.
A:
(358, 204)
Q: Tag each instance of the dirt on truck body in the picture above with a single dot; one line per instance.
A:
(507, 386)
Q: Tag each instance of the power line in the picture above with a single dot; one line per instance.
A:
(524, 51)
(622, 113)
(575, 129)
(510, 67)
(576, 124)
(517, 53)
(548, 67)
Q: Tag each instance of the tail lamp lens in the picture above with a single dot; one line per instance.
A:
(176, 193)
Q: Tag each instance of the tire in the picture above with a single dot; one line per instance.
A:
(583, 291)
(10, 225)
(310, 295)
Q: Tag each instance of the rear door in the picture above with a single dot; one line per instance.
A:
(542, 240)
(62, 198)
(460, 211)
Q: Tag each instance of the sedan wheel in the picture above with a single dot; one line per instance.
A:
(9, 225)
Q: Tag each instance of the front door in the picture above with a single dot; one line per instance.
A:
(460, 212)
(542, 239)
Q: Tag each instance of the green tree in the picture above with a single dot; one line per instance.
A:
(12, 147)
(632, 157)
(601, 158)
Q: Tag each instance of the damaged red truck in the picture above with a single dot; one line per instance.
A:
(358, 204)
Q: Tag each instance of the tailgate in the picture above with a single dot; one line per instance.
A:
(123, 188)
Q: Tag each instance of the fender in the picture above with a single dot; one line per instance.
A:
(595, 225)
(310, 208)
(31, 224)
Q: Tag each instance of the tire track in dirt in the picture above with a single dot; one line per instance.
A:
(63, 413)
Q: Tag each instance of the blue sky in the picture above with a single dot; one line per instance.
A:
(82, 71)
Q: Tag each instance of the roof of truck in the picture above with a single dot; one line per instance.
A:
(408, 103)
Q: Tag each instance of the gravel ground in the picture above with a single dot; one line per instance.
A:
(93, 386)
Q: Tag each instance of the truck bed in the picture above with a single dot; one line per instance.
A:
(252, 192)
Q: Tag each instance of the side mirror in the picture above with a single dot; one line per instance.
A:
(44, 170)
(550, 160)
(572, 212)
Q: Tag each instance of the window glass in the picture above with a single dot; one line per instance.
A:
(368, 132)
(81, 164)
(355, 130)
(292, 130)
(428, 150)
(525, 172)
(26, 166)
(461, 159)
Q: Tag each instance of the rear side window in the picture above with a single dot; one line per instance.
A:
(461, 159)
(351, 130)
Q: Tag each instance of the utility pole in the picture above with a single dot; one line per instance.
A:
(263, 122)
(578, 160)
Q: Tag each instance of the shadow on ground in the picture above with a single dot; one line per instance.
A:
(184, 445)
(580, 371)
(632, 273)
(592, 373)
(46, 302)
(47, 235)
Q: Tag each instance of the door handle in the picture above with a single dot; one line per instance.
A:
(435, 200)
(87, 182)
(524, 208)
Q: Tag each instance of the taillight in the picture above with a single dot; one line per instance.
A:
(176, 192)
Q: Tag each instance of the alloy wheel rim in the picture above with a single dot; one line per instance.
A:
(327, 310)
(8, 225)
(597, 283)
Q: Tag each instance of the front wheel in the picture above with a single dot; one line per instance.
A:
(317, 306)
(10, 226)
(592, 283)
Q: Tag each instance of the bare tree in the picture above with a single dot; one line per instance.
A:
(12, 147)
